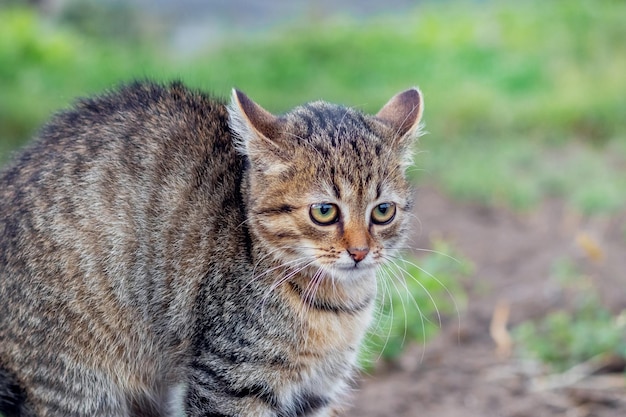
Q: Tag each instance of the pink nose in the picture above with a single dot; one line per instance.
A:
(358, 254)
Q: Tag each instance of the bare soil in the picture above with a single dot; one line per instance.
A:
(463, 372)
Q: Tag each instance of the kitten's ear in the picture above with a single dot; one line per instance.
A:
(403, 113)
(256, 129)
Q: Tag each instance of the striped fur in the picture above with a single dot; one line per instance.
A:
(158, 258)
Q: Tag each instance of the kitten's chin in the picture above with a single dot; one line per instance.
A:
(353, 272)
(343, 273)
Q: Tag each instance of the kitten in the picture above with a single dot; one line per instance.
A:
(165, 254)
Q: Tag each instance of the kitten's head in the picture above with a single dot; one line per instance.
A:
(326, 187)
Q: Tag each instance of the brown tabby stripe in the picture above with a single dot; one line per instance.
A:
(220, 380)
(283, 209)
(305, 405)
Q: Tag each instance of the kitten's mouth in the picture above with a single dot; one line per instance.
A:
(361, 267)
(352, 267)
(355, 265)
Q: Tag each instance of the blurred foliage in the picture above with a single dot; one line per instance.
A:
(585, 330)
(520, 174)
(523, 99)
(563, 339)
(111, 19)
(415, 296)
(43, 67)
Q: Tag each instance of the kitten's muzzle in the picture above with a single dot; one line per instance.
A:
(358, 254)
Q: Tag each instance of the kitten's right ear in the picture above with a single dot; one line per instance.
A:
(403, 113)
(255, 129)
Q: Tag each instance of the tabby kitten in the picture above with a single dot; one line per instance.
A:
(165, 254)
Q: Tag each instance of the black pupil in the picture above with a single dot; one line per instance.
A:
(383, 208)
(325, 209)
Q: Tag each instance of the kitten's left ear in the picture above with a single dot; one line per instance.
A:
(403, 114)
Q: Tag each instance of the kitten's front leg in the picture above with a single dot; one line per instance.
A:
(220, 393)
(248, 394)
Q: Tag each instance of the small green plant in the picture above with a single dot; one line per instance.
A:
(415, 296)
(567, 337)
(563, 339)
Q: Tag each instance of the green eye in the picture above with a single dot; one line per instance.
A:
(324, 214)
(383, 213)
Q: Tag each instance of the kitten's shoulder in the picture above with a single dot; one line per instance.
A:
(140, 112)
(133, 120)
(145, 96)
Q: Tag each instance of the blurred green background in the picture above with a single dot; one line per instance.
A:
(525, 101)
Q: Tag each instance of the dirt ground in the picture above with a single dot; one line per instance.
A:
(461, 373)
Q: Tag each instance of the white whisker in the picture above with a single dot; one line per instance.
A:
(404, 273)
(436, 252)
(423, 318)
(390, 322)
(438, 281)
(388, 274)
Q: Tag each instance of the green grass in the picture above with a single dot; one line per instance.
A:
(502, 82)
(564, 339)
(44, 67)
(584, 330)
(520, 174)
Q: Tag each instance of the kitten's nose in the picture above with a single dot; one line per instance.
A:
(358, 254)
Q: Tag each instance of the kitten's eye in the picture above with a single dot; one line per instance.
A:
(324, 214)
(383, 213)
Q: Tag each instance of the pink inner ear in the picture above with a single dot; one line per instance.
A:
(403, 112)
(260, 119)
